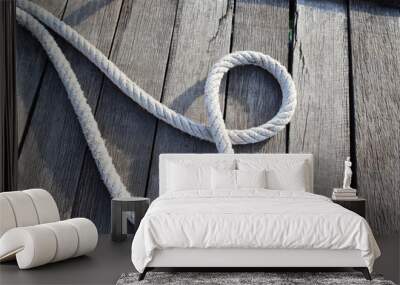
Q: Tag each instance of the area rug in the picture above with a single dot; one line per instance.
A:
(269, 278)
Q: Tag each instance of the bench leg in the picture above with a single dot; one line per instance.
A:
(364, 271)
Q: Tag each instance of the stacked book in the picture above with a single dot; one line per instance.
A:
(344, 194)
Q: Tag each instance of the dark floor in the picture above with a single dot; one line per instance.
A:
(110, 260)
(389, 263)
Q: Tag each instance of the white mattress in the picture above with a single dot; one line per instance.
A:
(252, 219)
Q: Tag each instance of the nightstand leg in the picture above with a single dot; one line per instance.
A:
(364, 271)
(116, 221)
(142, 275)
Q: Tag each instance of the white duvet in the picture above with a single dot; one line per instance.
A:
(250, 219)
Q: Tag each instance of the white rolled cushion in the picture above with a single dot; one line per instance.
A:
(223, 179)
(26, 208)
(33, 246)
(46, 207)
(87, 234)
(181, 177)
(67, 240)
(251, 179)
(23, 208)
(7, 218)
(40, 244)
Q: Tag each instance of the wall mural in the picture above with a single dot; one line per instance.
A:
(344, 70)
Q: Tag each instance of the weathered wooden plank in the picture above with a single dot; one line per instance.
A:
(390, 3)
(375, 42)
(8, 107)
(141, 50)
(53, 151)
(30, 63)
(205, 27)
(321, 73)
(254, 96)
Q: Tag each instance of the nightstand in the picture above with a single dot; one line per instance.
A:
(120, 208)
(358, 205)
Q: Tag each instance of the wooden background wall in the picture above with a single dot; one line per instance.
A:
(344, 58)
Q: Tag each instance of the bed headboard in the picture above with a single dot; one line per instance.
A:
(204, 159)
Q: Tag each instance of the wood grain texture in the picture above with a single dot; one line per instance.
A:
(321, 73)
(254, 96)
(375, 37)
(141, 48)
(201, 36)
(8, 104)
(53, 151)
(30, 63)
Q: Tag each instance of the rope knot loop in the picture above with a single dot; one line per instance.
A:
(31, 15)
(223, 137)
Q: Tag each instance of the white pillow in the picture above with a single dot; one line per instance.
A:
(251, 178)
(223, 179)
(294, 179)
(281, 175)
(181, 177)
(227, 179)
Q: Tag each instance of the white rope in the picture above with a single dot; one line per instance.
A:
(28, 15)
(82, 109)
(224, 138)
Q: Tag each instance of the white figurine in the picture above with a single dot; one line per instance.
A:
(347, 174)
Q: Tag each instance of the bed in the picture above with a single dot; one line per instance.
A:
(247, 210)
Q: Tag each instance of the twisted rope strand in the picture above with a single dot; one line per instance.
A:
(82, 109)
(29, 15)
(162, 112)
